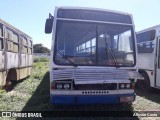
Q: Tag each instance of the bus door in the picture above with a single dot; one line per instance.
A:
(158, 64)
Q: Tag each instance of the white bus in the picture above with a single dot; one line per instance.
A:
(15, 54)
(148, 43)
(93, 56)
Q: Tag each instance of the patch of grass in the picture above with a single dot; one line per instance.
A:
(40, 59)
(2, 91)
(16, 99)
(39, 70)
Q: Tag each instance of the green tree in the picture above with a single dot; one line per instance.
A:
(39, 48)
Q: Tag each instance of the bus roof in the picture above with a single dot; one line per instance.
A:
(14, 28)
(95, 14)
(147, 29)
(96, 9)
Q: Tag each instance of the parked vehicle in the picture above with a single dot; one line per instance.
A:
(148, 43)
(93, 56)
(16, 58)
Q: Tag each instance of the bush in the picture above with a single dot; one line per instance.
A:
(41, 59)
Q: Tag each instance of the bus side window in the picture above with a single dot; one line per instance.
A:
(9, 45)
(9, 40)
(152, 34)
(23, 42)
(1, 43)
(29, 50)
(15, 43)
(29, 43)
(9, 34)
(29, 47)
(15, 38)
(1, 37)
(24, 50)
(15, 47)
(159, 55)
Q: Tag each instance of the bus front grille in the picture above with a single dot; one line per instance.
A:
(106, 86)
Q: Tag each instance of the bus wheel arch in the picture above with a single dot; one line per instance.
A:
(11, 75)
(144, 85)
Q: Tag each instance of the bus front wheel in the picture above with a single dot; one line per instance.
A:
(144, 85)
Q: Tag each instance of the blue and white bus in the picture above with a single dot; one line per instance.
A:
(93, 56)
(148, 44)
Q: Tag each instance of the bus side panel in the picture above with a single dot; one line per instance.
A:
(27, 62)
(2, 67)
(2, 78)
(2, 61)
(22, 73)
(23, 60)
(151, 78)
(12, 60)
(29, 70)
(25, 70)
(30, 60)
(145, 61)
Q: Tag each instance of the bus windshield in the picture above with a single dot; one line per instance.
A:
(94, 44)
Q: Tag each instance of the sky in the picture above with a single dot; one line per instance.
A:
(29, 15)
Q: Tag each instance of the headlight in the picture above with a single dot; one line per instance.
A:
(122, 85)
(66, 86)
(59, 86)
(62, 85)
(128, 85)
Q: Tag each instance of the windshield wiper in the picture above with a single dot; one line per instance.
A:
(64, 56)
(111, 54)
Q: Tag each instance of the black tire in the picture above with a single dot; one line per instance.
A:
(14, 81)
(144, 85)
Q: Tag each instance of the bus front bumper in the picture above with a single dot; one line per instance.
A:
(92, 99)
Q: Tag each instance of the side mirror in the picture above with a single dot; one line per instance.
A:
(49, 24)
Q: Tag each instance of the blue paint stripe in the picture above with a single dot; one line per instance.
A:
(87, 99)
